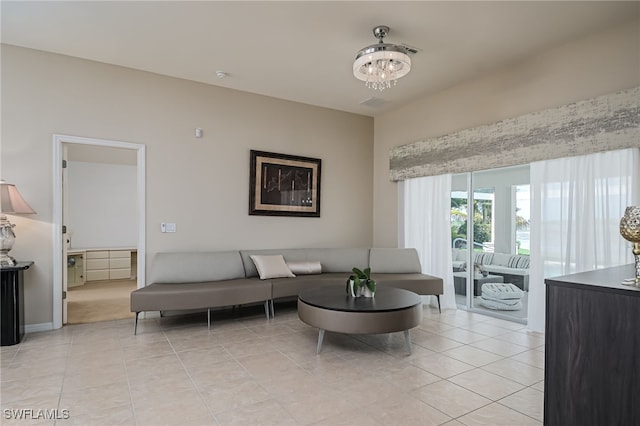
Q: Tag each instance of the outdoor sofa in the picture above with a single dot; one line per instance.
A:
(514, 268)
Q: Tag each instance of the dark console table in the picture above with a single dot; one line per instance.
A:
(12, 303)
(592, 349)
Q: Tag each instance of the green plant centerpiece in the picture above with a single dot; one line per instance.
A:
(361, 284)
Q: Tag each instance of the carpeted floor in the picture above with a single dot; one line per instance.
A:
(100, 301)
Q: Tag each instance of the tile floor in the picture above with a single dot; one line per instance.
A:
(466, 369)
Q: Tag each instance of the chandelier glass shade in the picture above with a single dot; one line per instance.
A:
(382, 64)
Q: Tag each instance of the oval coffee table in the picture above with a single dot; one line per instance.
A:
(329, 308)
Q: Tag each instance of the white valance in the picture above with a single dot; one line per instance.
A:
(600, 124)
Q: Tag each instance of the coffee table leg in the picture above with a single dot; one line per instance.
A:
(320, 338)
(407, 339)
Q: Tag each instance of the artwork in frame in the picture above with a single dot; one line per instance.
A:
(284, 185)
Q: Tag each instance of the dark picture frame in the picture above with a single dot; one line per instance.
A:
(284, 185)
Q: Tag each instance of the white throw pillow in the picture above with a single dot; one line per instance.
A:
(271, 267)
(303, 267)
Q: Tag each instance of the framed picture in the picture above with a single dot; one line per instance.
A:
(284, 185)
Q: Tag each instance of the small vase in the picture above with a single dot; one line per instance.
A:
(630, 231)
(351, 291)
(366, 292)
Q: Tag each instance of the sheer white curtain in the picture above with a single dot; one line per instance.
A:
(426, 218)
(576, 206)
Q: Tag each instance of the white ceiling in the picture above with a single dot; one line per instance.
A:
(303, 51)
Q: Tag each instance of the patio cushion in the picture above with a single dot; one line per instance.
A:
(519, 261)
(501, 259)
(501, 305)
(501, 291)
(482, 258)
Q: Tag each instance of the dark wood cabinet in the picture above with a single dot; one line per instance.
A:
(12, 303)
(592, 349)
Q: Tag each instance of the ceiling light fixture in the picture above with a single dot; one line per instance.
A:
(380, 64)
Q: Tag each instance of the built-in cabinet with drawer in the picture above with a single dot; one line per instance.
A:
(119, 264)
(108, 264)
(75, 269)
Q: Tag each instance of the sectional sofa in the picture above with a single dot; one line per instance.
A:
(513, 267)
(206, 280)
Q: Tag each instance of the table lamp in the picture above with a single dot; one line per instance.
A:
(630, 231)
(11, 202)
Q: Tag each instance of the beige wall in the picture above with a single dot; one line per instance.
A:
(201, 184)
(596, 65)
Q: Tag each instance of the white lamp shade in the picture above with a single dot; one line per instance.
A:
(11, 202)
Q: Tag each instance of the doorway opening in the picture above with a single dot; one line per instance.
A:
(96, 268)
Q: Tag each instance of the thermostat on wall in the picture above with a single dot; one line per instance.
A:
(168, 227)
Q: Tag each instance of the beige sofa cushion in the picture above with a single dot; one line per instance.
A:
(193, 267)
(271, 267)
(200, 295)
(394, 260)
(295, 255)
(305, 267)
(339, 259)
(417, 283)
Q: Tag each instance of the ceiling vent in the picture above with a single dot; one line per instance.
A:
(374, 102)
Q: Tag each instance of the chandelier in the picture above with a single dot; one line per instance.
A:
(381, 64)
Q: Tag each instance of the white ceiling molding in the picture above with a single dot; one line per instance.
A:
(600, 124)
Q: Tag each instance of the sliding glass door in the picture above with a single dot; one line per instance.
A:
(489, 241)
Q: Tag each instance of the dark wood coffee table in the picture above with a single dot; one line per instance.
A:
(329, 308)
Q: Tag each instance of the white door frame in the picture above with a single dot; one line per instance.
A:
(58, 141)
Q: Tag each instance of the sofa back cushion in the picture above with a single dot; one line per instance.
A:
(191, 267)
(394, 261)
(339, 259)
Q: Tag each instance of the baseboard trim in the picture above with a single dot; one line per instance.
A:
(34, 328)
